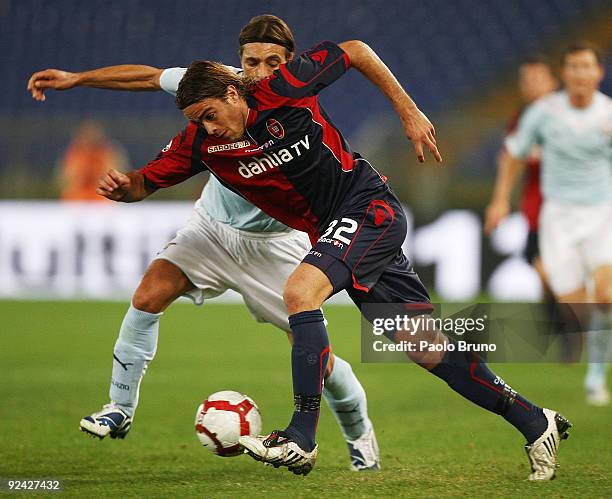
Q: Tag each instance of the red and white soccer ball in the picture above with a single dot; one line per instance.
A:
(223, 418)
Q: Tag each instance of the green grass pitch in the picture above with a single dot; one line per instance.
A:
(55, 361)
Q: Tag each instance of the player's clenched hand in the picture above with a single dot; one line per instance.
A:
(421, 132)
(495, 213)
(114, 185)
(50, 78)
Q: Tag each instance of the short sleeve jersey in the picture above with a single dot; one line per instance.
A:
(292, 162)
(217, 201)
(576, 147)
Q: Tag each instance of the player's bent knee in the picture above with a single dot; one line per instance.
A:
(152, 299)
(602, 277)
(306, 289)
(144, 301)
(603, 291)
(430, 346)
(299, 300)
(162, 283)
(603, 295)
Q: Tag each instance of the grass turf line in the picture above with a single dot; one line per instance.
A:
(56, 358)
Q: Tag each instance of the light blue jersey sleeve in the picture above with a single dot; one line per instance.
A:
(528, 132)
(171, 77)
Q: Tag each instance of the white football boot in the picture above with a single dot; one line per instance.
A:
(543, 452)
(278, 450)
(364, 452)
(110, 421)
(598, 397)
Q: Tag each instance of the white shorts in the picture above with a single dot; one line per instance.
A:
(574, 240)
(216, 257)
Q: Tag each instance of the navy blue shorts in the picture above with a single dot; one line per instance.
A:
(361, 251)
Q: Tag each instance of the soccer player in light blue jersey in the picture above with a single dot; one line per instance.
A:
(227, 244)
(573, 127)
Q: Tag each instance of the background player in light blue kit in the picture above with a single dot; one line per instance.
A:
(574, 129)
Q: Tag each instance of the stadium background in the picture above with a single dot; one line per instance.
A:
(458, 59)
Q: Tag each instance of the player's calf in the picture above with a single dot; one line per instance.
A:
(468, 374)
(308, 360)
(347, 400)
(435, 341)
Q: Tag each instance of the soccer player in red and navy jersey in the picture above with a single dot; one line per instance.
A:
(196, 262)
(272, 143)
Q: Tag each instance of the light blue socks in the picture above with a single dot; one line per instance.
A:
(134, 349)
(599, 348)
(347, 400)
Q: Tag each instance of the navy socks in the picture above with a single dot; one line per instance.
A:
(469, 375)
(308, 360)
(464, 372)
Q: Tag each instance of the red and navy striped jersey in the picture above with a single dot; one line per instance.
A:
(292, 162)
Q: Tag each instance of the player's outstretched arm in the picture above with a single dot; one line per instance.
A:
(417, 126)
(126, 187)
(123, 77)
(509, 170)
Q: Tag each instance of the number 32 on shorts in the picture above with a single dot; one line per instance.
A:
(346, 226)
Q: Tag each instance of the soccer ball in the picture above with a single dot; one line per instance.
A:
(223, 418)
